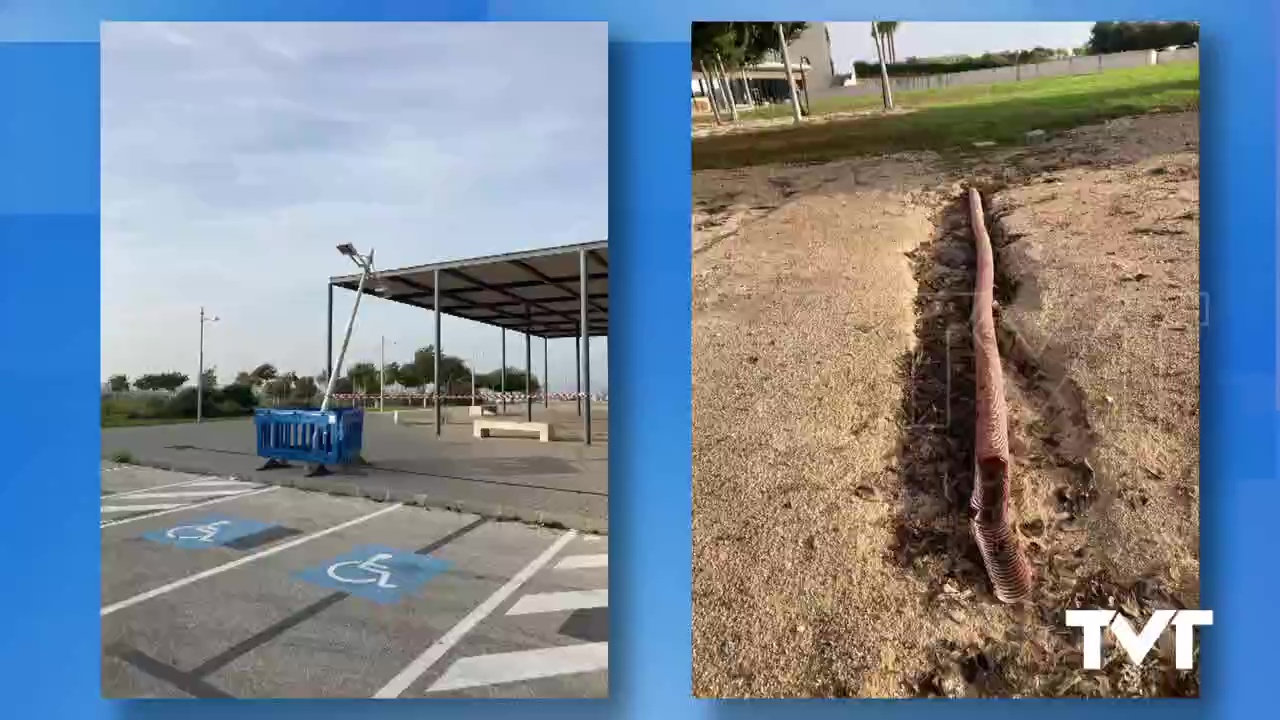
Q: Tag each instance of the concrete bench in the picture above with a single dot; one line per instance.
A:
(482, 428)
(482, 410)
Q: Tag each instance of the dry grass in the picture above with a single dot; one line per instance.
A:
(830, 550)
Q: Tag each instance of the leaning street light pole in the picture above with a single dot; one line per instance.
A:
(366, 268)
(200, 375)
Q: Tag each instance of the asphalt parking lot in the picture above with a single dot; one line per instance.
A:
(217, 587)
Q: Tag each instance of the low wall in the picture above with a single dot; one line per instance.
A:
(1082, 65)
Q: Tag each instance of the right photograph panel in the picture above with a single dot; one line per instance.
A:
(946, 318)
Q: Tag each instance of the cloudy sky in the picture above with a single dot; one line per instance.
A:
(852, 41)
(236, 156)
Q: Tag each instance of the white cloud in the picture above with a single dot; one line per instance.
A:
(236, 155)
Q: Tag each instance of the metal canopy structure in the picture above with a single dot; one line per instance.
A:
(535, 292)
(560, 292)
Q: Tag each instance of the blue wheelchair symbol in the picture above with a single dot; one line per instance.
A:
(207, 532)
(377, 573)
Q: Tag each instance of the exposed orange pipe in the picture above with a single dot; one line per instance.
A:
(1006, 564)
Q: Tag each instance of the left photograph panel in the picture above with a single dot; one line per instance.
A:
(355, 360)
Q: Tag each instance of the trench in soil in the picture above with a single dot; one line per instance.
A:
(1050, 429)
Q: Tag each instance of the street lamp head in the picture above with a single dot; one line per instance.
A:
(347, 249)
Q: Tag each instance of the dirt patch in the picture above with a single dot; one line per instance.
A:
(833, 407)
(748, 124)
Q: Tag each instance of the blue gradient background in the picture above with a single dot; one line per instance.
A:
(49, 337)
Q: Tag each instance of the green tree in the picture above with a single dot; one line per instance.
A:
(305, 389)
(161, 381)
(492, 380)
(887, 32)
(712, 42)
(886, 92)
(393, 374)
(364, 376)
(1113, 37)
(407, 376)
(451, 368)
(118, 383)
(264, 373)
(737, 45)
(277, 389)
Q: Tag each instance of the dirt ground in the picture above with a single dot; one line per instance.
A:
(705, 126)
(833, 434)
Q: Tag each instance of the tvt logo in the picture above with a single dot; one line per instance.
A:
(1139, 644)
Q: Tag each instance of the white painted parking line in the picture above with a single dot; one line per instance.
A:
(574, 562)
(242, 561)
(219, 483)
(139, 508)
(432, 655)
(187, 494)
(214, 501)
(131, 493)
(560, 601)
(523, 665)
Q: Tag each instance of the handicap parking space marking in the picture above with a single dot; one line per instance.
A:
(208, 531)
(241, 562)
(382, 574)
(429, 657)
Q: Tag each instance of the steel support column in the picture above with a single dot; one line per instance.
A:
(435, 306)
(528, 373)
(586, 347)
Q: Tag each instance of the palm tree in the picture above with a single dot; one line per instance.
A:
(727, 84)
(886, 92)
(786, 68)
(891, 29)
(887, 31)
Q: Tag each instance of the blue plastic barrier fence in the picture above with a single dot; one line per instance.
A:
(332, 437)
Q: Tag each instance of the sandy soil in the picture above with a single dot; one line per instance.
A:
(831, 556)
(704, 126)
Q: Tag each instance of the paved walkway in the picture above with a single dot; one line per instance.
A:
(562, 483)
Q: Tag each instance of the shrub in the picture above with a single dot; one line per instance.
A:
(182, 405)
(241, 395)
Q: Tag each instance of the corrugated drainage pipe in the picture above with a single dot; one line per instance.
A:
(1005, 562)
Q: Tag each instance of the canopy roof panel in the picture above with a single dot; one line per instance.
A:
(534, 291)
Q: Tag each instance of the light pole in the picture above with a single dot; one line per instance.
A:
(200, 376)
(382, 374)
(366, 268)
